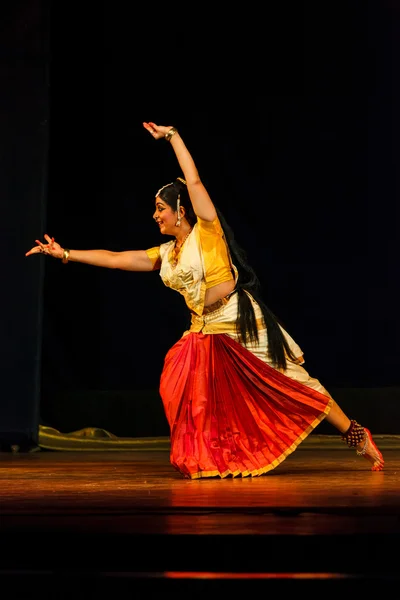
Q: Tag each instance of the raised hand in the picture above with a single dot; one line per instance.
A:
(157, 131)
(51, 248)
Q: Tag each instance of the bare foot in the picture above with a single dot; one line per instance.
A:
(368, 449)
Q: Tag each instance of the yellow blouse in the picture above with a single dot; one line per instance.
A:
(204, 261)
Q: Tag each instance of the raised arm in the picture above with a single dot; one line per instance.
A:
(130, 260)
(201, 201)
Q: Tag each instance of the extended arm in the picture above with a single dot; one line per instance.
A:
(130, 260)
(201, 201)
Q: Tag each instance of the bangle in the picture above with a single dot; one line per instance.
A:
(170, 133)
(65, 256)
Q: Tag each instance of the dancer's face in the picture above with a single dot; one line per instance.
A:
(165, 217)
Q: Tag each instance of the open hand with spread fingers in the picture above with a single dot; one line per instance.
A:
(51, 248)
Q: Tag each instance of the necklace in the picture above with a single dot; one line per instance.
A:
(177, 250)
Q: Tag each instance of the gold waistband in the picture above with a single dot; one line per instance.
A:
(216, 305)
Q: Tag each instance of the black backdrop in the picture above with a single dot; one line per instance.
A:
(24, 133)
(291, 115)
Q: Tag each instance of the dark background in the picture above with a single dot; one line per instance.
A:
(291, 113)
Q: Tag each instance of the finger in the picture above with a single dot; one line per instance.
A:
(47, 237)
(34, 250)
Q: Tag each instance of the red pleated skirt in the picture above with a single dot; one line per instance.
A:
(230, 413)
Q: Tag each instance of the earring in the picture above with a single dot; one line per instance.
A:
(178, 210)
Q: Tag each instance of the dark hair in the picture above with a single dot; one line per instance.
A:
(246, 323)
(169, 194)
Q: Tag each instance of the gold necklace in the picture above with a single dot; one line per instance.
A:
(176, 251)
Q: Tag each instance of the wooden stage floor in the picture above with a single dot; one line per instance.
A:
(118, 519)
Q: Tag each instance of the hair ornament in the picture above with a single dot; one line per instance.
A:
(163, 188)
